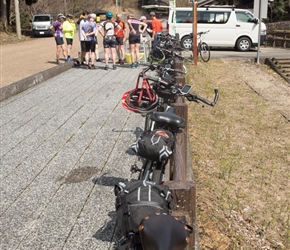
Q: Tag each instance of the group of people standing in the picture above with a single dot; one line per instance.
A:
(64, 27)
(114, 33)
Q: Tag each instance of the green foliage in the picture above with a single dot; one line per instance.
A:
(278, 11)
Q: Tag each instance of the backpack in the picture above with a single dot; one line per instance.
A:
(155, 145)
(136, 200)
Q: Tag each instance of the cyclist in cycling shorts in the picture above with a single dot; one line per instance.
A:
(89, 31)
(109, 35)
(136, 28)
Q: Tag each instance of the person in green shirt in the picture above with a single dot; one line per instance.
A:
(69, 29)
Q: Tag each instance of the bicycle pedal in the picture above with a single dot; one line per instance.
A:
(135, 169)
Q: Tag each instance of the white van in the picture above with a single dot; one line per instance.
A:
(41, 25)
(229, 27)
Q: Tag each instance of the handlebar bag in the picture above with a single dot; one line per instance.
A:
(155, 145)
(136, 200)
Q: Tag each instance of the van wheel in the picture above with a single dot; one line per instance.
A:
(243, 44)
(186, 42)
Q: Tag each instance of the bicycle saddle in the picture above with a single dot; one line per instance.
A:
(169, 118)
(163, 232)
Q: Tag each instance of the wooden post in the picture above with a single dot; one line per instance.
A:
(179, 66)
(180, 144)
(184, 194)
(194, 33)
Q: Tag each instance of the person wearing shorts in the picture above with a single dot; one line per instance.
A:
(107, 30)
(89, 30)
(58, 35)
(81, 22)
(120, 39)
(69, 29)
(136, 28)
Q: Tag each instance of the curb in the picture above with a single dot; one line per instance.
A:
(30, 81)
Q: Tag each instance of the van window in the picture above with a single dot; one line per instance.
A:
(184, 17)
(245, 17)
(41, 18)
(213, 17)
(203, 16)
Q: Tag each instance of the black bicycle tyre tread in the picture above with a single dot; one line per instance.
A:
(147, 123)
(157, 173)
(147, 165)
(207, 50)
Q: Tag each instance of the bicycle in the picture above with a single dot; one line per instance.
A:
(202, 47)
(159, 116)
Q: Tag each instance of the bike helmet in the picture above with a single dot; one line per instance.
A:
(109, 14)
(157, 55)
(124, 103)
(140, 100)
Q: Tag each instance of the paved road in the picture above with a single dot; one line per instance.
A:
(265, 52)
(63, 147)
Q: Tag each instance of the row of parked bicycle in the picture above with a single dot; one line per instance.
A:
(144, 204)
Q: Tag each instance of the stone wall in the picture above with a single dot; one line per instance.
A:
(282, 42)
(278, 26)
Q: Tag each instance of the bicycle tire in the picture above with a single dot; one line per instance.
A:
(204, 52)
(148, 123)
(158, 172)
(145, 170)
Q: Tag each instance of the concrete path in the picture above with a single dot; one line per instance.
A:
(63, 147)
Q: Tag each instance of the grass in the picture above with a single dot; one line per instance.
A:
(240, 151)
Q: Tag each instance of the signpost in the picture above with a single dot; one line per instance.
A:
(259, 34)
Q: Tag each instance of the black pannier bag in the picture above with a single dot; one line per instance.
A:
(136, 200)
(155, 145)
(162, 231)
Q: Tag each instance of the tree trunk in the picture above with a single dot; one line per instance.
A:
(4, 15)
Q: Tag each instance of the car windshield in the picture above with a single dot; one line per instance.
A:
(41, 18)
(245, 16)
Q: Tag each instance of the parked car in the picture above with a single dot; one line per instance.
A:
(229, 26)
(41, 25)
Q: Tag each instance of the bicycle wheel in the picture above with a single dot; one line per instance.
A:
(158, 171)
(148, 123)
(204, 52)
(146, 170)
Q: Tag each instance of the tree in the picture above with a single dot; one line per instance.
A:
(278, 10)
(5, 14)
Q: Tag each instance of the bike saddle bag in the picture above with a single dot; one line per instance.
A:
(136, 200)
(164, 232)
(156, 145)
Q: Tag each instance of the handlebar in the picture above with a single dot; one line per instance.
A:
(158, 80)
(173, 53)
(160, 67)
(195, 98)
(176, 89)
(200, 33)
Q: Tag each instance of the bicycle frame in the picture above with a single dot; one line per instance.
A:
(145, 86)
